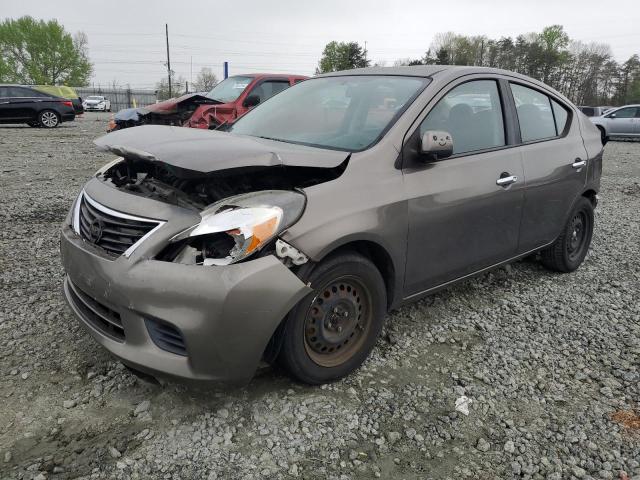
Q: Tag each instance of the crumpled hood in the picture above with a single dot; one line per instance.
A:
(209, 150)
(173, 104)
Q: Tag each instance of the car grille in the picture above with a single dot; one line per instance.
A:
(99, 316)
(166, 337)
(113, 231)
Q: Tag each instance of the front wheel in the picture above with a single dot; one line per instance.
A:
(48, 119)
(568, 251)
(331, 331)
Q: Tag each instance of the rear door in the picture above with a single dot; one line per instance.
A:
(462, 216)
(555, 163)
(636, 130)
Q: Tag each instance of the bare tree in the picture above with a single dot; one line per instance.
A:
(205, 80)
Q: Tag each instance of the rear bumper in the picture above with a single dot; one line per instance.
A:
(68, 117)
(226, 315)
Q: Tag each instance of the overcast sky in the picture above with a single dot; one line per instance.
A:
(127, 45)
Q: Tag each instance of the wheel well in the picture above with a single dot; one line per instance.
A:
(591, 195)
(371, 250)
(380, 258)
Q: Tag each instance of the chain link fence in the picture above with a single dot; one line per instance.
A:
(120, 97)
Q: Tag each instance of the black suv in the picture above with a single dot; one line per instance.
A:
(20, 104)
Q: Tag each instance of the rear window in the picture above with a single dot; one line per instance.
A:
(57, 91)
(534, 113)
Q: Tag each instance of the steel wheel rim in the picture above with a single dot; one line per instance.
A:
(49, 119)
(338, 321)
(577, 237)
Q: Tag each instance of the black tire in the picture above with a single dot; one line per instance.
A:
(568, 251)
(348, 304)
(48, 119)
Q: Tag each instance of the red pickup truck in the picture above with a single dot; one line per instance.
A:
(223, 104)
(236, 95)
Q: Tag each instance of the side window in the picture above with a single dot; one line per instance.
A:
(561, 115)
(534, 113)
(4, 92)
(269, 88)
(628, 112)
(472, 114)
(19, 92)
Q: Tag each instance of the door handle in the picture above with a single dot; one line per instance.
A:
(506, 181)
(579, 163)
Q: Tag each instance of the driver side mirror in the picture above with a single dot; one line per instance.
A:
(251, 101)
(436, 145)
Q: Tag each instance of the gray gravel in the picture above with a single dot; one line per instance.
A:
(550, 363)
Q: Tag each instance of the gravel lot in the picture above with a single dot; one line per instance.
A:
(550, 361)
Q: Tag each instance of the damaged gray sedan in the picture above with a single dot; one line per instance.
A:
(198, 254)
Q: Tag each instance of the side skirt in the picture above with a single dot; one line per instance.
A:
(417, 296)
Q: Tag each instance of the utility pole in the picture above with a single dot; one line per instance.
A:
(365, 53)
(166, 29)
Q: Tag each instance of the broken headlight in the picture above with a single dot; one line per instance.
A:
(237, 227)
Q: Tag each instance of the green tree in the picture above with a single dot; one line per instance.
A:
(342, 56)
(42, 53)
(586, 73)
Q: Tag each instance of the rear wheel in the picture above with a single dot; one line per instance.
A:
(332, 330)
(48, 119)
(568, 251)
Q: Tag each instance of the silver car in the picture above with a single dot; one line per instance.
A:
(619, 122)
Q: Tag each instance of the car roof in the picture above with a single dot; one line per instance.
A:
(443, 74)
(425, 71)
(261, 75)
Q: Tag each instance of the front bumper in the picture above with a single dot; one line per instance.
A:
(226, 315)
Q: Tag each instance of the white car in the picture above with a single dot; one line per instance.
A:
(96, 103)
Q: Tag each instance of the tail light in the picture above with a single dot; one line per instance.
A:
(67, 103)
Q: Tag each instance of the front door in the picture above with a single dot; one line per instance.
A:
(623, 121)
(464, 211)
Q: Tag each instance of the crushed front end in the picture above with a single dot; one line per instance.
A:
(145, 292)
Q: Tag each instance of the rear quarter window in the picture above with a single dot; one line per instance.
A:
(561, 116)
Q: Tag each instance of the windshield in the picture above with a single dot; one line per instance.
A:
(343, 113)
(95, 98)
(230, 89)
